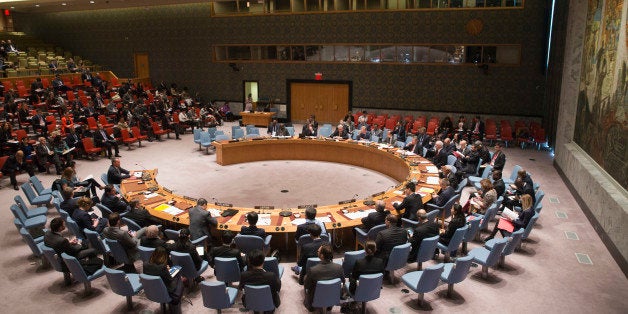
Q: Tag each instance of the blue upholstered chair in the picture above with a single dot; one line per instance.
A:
(454, 273)
(29, 212)
(55, 261)
(445, 210)
(118, 252)
(189, 269)
(39, 187)
(426, 251)
(290, 130)
(487, 258)
(259, 298)
(226, 269)
(423, 281)
(74, 228)
(451, 160)
(489, 214)
(26, 236)
(513, 175)
(453, 243)
(362, 236)
(221, 137)
(155, 290)
(217, 296)
(28, 223)
(529, 227)
(206, 141)
(34, 199)
(461, 185)
(398, 259)
(126, 285)
(349, 259)
(79, 274)
(197, 137)
(247, 243)
(145, 252)
(487, 171)
(96, 242)
(474, 226)
(368, 289)
(327, 294)
(271, 264)
(132, 225)
(237, 133)
(514, 240)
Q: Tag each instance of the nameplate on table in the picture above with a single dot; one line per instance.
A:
(300, 221)
(432, 169)
(264, 207)
(190, 198)
(306, 206)
(426, 190)
(346, 201)
(223, 204)
(378, 194)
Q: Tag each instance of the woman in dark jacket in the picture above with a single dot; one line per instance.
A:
(183, 245)
(157, 265)
(458, 220)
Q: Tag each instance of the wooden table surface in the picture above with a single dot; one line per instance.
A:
(386, 161)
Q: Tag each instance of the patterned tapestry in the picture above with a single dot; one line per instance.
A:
(601, 128)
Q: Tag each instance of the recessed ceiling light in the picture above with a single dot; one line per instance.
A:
(92, 2)
(37, 5)
(12, 8)
(64, 3)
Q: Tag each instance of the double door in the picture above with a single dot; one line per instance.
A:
(328, 101)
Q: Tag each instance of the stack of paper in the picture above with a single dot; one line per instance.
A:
(426, 190)
(263, 220)
(359, 214)
(431, 180)
(432, 169)
(214, 212)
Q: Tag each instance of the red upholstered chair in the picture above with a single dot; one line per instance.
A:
(88, 146)
(159, 131)
(91, 123)
(103, 120)
(137, 134)
(127, 139)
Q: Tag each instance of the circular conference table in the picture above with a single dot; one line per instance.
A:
(173, 208)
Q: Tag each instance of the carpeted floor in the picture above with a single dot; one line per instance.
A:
(544, 276)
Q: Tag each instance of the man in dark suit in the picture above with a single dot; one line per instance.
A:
(14, 165)
(39, 123)
(101, 139)
(410, 204)
(440, 155)
(425, 229)
(60, 244)
(390, 237)
(370, 264)
(257, 276)
(126, 239)
(414, 146)
(340, 132)
(499, 158)
(308, 250)
(151, 238)
(116, 174)
(376, 218)
(252, 228)
(470, 161)
(112, 201)
(498, 183)
(225, 250)
(84, 219)
(69, 203)
(446, 192)
(325, 270)
(200, 222)
(477, 128)
(54, 240)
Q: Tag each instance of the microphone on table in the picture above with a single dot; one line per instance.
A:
(138, 164)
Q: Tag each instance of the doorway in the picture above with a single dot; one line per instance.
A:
(251, 87)
(142, 70)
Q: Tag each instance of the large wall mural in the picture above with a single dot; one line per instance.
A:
(601, 128)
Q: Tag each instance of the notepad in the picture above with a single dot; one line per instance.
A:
(168, 209)
(359, 214)
(137, 174)
(426, 190)
(214, 212)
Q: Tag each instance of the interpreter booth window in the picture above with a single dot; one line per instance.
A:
(298, 53)
(239, 52)
(283, 6)
(508, 55)
(441, 54)
(405, 54)
(389, 53)
(356, 53)
(313, 53)
(341, 54)
(338, 5)
(327, 53)
(373, 54)
(283, 52)
(220, 53)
